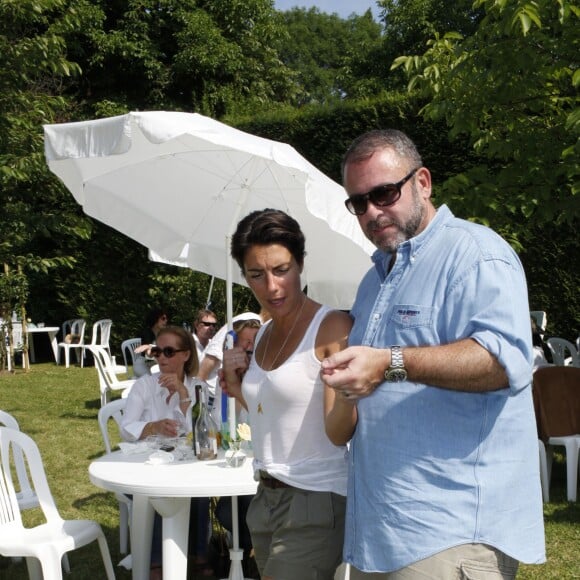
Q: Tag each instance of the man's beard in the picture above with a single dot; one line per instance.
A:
(405, 231)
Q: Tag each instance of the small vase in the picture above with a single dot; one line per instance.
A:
(235, 456)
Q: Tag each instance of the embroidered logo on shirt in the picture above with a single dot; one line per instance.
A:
(410, 315)
(406, 315)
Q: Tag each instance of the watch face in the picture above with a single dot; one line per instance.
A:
(396, 375)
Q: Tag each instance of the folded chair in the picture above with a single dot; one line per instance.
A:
(44, 545)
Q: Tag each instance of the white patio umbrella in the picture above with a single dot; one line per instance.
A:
(178, 183)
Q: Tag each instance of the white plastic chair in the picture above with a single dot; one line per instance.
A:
(128, 351)
(44, 545)
(100, 337)
(546, 456)
(564, 353)
(102, 334)
(17, 344)
(115, 410)
(25, 495)
(108, 380)
(541, 320)
(66, 326)
(77, 330)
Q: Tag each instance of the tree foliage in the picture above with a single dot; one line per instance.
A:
(328, 54)
(33, 66)
(511, 89)
(407, 27)
(196, 55)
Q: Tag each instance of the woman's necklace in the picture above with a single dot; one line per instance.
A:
(266, 346)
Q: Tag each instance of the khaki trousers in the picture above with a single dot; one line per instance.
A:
(466, 562)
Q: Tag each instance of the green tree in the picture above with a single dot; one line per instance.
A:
(33, 66)
(325, 50)
(511, 89)
(205, 56)
(407, 27)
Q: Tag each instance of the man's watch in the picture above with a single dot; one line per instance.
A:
(397, 371)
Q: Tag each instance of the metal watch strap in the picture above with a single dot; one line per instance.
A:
(397, 357)
(396, 372)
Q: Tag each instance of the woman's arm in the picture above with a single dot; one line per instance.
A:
(340, 413)
(207, 366)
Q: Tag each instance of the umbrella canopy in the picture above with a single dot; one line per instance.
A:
(178, 183)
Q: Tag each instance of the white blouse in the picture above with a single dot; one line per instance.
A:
(147, 402)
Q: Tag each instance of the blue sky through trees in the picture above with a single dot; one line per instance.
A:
(343, 8)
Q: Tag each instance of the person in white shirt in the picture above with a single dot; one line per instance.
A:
(296, 518)
(160, 404)
(213, 354)
(204, 327)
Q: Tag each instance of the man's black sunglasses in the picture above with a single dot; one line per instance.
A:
(379, 196)
(208, 323)
(167, 352)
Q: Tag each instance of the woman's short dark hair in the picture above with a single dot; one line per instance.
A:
(265, 227)
(185, 341)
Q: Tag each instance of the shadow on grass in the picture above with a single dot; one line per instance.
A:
(95, 500)
(89, 406)
(566, 511)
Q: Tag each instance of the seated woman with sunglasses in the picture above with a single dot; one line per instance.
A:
(160, 404)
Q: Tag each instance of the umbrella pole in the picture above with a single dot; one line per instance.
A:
(230, 315)
(236, 554)
(208, 301)
(241, 202)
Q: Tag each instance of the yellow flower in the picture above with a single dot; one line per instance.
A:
(244, 432)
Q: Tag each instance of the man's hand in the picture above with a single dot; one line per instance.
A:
(356, 371)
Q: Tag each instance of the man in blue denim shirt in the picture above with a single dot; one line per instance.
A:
(435, 387)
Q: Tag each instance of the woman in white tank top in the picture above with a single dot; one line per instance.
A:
(296, 518)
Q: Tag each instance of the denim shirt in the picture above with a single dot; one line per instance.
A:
(432, 468)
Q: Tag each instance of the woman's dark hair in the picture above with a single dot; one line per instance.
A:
(185, 340)
(153, 316)
(264, 227)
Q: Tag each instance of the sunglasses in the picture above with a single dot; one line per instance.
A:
(380, 196)
(208, 323)
(167, 352)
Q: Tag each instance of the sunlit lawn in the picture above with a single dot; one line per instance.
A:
(58, 408)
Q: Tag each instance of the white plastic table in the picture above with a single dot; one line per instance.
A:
(168, 489)
(51, 331)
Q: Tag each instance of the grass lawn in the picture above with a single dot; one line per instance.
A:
(58, 408)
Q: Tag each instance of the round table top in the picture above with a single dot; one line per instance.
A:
(128, 473)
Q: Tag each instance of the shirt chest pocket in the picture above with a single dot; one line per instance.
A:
(406, 316)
